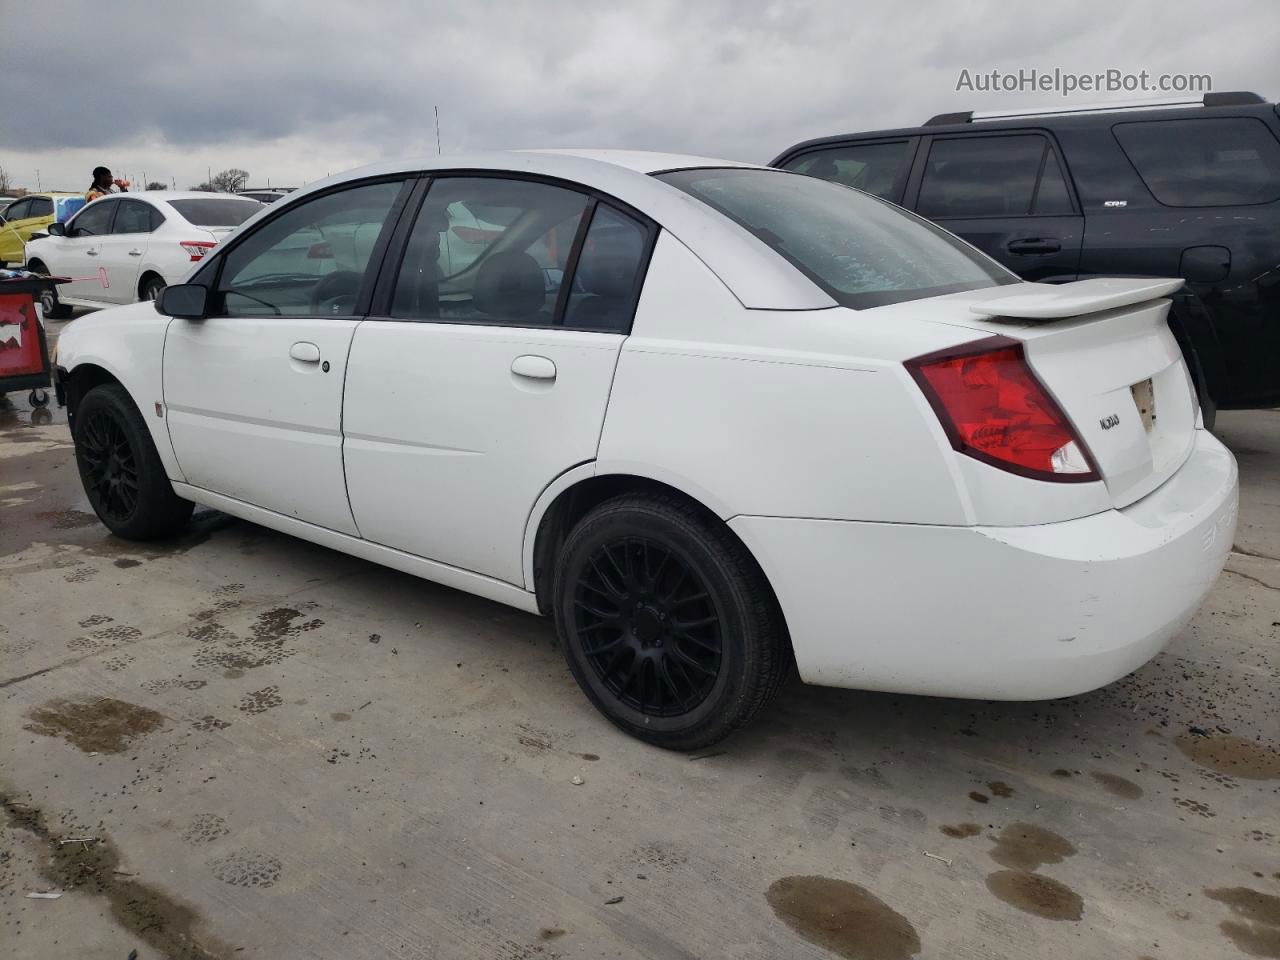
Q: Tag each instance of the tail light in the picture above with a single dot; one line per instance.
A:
(196, 249)
(994, 409)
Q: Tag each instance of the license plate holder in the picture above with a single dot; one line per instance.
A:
(1144, 398)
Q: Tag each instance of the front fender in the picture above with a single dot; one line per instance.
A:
(126, 343)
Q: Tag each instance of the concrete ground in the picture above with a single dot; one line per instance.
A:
(279, 751)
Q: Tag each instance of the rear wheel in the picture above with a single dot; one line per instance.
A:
(667, 623)
(50, 306)
(152, 286)
(121, 470)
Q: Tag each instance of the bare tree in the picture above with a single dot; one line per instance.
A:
(157, 185)
(5, 183)
(229, 181)
(205, 187)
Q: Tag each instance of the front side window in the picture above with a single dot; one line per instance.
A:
(861, 251)
(488, 250)
(18, 211)
(1204, 162)
(132, 217)
(310, 261)
(879, 168)
(981, 177)
(94, 220)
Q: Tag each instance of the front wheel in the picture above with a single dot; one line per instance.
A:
(50, 307)
(667, 623)
(120, 469)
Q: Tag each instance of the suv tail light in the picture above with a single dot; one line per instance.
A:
(197, 248)
(994, 409)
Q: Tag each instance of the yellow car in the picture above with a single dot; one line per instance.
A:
(23, 217)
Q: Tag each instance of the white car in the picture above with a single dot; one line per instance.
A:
(128, 247)
(764, 417)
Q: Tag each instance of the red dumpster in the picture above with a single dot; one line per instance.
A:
(24, 354)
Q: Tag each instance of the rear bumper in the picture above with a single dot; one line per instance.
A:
(1004, 613)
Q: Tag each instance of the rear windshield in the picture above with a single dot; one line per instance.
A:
(216, 211)
(862, 251)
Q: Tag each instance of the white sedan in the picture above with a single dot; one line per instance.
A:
(128, 247)
(711, 418)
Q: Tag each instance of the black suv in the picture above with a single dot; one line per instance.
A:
(1186, 190)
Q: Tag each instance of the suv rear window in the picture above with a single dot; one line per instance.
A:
(1204, 162)
(863, 252)
(216, 211)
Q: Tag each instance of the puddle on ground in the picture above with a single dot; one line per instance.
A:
(844, 918)
(102, 724)
(999, 788)
(1037, 895)
(1233, 755)
(961, 830)
(1257, 932)
(165, 925)
(1117, 786)
(67, 519)
(1024, 846)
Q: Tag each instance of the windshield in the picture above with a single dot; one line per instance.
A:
(216, 211)
(862, 251)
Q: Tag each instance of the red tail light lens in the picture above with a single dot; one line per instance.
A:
(993, 408)
(196, 249)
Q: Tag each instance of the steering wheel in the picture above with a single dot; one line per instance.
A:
(337, 285)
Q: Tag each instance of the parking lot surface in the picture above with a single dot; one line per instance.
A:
(242, 745)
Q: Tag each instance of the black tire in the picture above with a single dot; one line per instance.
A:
(678, 652)
(121, 470)
(49, 303)
(152, 287)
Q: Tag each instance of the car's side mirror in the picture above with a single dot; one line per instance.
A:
(186, 301)
(56, 229)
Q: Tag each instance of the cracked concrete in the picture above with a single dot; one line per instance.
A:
(305, 755)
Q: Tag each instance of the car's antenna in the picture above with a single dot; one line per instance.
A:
(437, 130)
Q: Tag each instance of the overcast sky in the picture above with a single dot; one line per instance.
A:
(291, 91)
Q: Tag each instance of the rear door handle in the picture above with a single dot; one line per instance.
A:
(533, 367)
(305, 352)
(1036, 245)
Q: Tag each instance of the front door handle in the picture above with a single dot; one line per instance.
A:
(91, 253)
(1036, 245)
(533, 367)
(135, 253)
(305, 352)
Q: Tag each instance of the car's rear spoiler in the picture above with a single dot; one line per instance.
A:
(1047, 301)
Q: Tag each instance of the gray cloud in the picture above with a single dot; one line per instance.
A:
(304, 87)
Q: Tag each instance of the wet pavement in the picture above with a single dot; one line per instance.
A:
(238, 744)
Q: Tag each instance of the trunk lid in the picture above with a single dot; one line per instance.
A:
(1103, 348)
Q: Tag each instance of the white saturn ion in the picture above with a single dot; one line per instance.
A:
(128, 247)
(707, 416)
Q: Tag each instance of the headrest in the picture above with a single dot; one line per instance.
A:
(510, 286)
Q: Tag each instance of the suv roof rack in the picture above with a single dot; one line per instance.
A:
(1232, 98)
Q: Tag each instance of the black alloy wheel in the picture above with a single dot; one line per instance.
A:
(110, 467)
(648, 626)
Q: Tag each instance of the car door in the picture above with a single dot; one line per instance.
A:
(1008, 195)
(80, 252)
(469, 392)
(254, 391)
(123, 249)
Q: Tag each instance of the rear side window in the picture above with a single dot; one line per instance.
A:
(604, 283)
(132, 217)
(41, 207)
(1204, 162)
(879, 168)
(862, 251)
(489, 250)
(990, 177)
(216, 212)
(94, 220)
